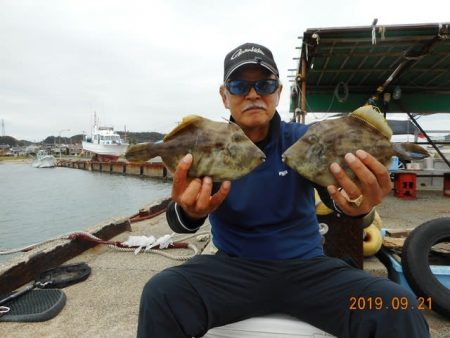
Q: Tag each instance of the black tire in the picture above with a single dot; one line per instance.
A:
(416, 265)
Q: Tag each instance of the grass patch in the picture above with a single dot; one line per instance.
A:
(15, 158)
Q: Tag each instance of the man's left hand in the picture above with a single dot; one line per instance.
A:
(374, 184)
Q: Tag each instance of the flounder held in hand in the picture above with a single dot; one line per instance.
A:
(328, 141)
(220, 150)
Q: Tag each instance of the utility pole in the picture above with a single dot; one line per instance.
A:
(3, 128)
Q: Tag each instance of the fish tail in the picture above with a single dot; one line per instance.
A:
(409, 151)
(141, 152)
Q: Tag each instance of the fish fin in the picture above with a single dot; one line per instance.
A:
(187, 120)
(141, 152)
(372, 116)
(409, 151)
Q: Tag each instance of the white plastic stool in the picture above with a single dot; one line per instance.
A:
(273, 326)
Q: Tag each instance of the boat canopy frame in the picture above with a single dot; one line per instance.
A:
(399, 68)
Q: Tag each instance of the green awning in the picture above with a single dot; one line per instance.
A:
(345, 67)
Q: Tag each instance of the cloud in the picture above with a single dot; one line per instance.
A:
(145, 64)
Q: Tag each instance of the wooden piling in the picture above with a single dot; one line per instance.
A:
(147, 169)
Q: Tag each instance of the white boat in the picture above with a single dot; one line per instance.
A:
(43, 160)
(104, 143)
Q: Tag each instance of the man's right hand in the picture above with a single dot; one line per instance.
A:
(195, 196)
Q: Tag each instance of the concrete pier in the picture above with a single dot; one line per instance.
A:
(147, 169)
(107, 303)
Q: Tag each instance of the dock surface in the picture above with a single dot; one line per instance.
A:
(107, 303)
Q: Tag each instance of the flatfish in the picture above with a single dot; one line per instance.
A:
(220, 150)
(328, 141)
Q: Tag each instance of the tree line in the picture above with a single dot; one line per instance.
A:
(130, 137)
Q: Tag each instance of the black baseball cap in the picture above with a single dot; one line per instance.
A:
(249, 53)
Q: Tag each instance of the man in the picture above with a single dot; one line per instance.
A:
(270, 258)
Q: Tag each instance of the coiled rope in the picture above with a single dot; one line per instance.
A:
(151, 247)
(120, 246)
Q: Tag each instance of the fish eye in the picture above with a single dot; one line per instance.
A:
(237, 138)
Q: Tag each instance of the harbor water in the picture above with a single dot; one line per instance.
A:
(37, 204)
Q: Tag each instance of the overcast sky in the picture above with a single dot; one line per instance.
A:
(145, 64)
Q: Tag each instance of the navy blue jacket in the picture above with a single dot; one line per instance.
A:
(270, 213)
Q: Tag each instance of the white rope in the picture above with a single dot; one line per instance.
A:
(374, 31)
(135, 250)
(161, 252)
(197, 234)
(382, 31)
(31, 246)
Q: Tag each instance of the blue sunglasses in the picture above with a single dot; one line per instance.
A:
(242, 87)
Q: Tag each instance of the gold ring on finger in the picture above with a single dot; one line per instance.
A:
(356, 202)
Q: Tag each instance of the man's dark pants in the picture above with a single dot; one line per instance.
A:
(210, 291)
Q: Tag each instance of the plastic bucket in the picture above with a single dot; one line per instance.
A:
(429, 163)
(395, 162)
(272, 326)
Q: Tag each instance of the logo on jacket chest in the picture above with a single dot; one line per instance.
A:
(282, 173)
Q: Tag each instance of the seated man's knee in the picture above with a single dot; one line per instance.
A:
(391, 294)
(391, 307)
(161, 287)
(171, 307)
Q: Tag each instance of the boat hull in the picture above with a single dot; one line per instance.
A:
(45, 162)
(106, 150)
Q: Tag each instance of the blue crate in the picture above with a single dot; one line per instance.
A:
(395, 270)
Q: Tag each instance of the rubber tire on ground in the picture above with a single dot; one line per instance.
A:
(416, 265)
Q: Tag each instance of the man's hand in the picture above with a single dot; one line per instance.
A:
(195, 196)
(374, 184)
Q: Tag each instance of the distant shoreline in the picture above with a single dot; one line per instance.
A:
(12, 159)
